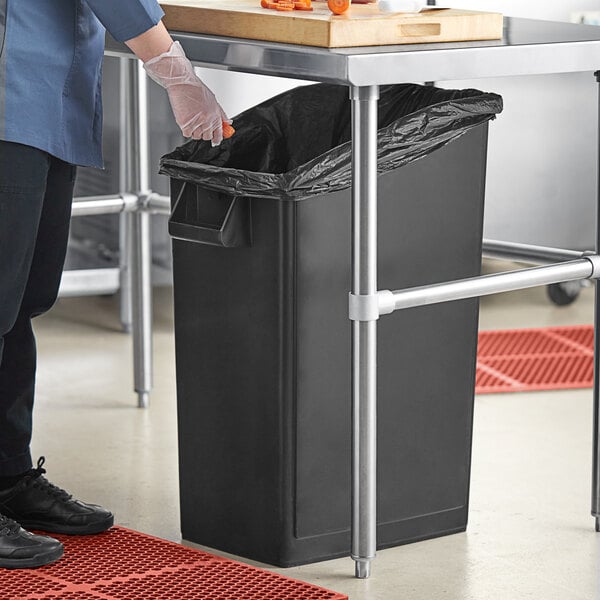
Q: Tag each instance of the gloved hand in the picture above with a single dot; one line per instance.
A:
(195, 107)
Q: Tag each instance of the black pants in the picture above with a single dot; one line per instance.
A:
(36, 192)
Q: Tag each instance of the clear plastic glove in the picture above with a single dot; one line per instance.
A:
(195, 107)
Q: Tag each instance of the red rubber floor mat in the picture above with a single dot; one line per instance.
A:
(520, 360)
(126, 565)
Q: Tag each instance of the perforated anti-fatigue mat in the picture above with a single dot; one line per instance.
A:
(126, 565)
(549, 358)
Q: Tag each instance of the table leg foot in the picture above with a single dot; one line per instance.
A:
(143, 399)
(362, 568)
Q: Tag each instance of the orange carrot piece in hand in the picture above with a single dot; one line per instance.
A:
(228, 130)
(338, 7)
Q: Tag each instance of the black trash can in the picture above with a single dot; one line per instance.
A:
(262, 270)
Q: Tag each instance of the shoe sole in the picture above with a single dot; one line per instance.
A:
(89, 529)
(39, 560)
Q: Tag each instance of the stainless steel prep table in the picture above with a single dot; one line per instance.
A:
(528, 47)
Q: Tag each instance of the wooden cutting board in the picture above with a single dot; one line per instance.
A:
(362, 25)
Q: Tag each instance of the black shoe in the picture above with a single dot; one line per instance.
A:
(20, 549)
(38, 504)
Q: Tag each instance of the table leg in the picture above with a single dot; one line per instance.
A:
(364, 333)
(596, 457)
(125, 185)
(141, 259)
(125, 271)
(139, 230)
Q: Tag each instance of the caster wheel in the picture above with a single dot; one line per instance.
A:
(563, 294)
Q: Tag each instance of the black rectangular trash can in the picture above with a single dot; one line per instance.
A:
(263, 359)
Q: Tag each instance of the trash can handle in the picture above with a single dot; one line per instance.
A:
(208, 217)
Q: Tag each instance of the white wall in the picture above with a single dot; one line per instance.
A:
(550, 10)
(239, 91)
(542, 155)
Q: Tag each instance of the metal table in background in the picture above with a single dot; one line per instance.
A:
(528, 47)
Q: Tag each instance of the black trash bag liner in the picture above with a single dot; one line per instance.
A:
(297, 145)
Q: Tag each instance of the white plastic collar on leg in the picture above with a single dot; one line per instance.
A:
(595, 260)
(368, 307)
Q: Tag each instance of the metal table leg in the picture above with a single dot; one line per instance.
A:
(139, 220)
(596, 457)
(125, 185)
(367, 303)
(125, 271)
(364, 332)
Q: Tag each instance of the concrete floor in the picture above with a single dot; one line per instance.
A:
(530, 533)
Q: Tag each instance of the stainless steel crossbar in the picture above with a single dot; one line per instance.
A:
(157, 204)
(527, 253)
(583, 268)
(104, 205)
(84, 282)
(89, 282)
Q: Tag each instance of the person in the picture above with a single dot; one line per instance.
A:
(50, 123)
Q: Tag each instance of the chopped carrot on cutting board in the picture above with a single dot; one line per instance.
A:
(228, 130)
(287, 5)
(338, 7)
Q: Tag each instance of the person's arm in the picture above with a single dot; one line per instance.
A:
(151, 43)
(127, 19)
(195, 107)
(138, 24)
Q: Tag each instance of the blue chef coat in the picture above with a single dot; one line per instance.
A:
(51, 69)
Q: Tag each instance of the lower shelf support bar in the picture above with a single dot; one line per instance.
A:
(105, 205)
(587, 267)
(527, 253)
